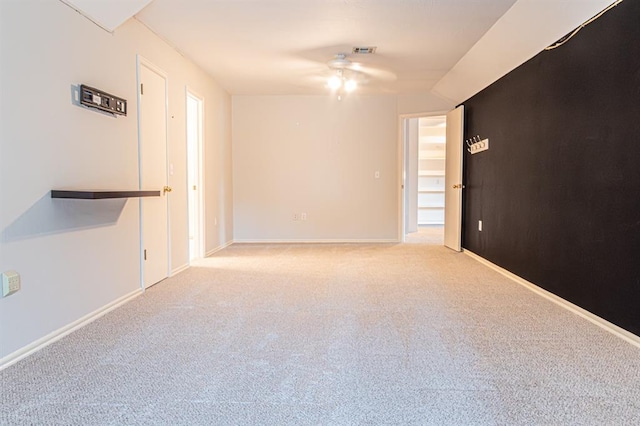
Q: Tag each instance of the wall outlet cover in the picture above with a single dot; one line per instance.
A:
(10, 283)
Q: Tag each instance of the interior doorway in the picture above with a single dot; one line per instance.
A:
(195, 111)
(424, 147)
(152, 146)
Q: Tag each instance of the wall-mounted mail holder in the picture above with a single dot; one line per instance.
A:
(476, 145)
(103, 101)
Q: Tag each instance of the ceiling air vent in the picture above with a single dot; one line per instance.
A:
(364, 50)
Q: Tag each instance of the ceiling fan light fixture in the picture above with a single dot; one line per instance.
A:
(350, 85)
(334, 82)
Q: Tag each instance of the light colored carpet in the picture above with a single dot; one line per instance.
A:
(331, 334)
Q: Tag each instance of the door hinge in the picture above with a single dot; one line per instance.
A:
(141, 88)
(145, 254)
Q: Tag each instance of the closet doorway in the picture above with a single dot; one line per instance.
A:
(424, 172)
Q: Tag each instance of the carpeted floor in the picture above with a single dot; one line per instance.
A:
(328, 334)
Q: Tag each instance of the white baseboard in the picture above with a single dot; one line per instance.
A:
(318, 241)
(217, 249)
(179, 269)
(589, 316)
(56, 335)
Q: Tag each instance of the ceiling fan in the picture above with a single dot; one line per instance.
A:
(341, 61)
(346, 74)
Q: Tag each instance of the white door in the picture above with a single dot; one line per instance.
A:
(453, 180)
(194, 179)
(152, 101)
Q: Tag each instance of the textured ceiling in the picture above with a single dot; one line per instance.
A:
(282, 46)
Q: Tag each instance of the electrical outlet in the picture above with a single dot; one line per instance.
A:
(479, 225)
(303, 216)
(10, 283)
(295, 216)
(376, 175)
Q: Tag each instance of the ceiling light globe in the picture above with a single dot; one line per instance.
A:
(335, 82)
(350, 85)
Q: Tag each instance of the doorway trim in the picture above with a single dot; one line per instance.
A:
(198, 215)
(401, 165)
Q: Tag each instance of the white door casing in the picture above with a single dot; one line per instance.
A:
(453, 180)
(154, 211)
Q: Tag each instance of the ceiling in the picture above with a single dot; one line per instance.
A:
(447, 48)
(106, 13)
(275, 47)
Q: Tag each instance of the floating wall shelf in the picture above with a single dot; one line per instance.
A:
(101, 195)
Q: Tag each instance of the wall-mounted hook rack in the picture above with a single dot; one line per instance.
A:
(476, 144)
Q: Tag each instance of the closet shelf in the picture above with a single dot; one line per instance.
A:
(431, 173)
(101, 195)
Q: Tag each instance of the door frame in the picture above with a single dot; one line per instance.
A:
(401, 166)
(200, 213)
(142, 61)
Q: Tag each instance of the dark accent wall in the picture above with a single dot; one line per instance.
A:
(558, 191)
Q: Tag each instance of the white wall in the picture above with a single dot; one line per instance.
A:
(423, 103)
(75, 257)
(318, 155)
(218, 170)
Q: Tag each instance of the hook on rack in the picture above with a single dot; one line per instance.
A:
(471, 141)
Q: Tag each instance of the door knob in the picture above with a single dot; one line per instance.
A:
(458, 186)
(166, 189)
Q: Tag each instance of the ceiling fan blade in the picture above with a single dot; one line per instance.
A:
(339, 62)
(377, 73)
